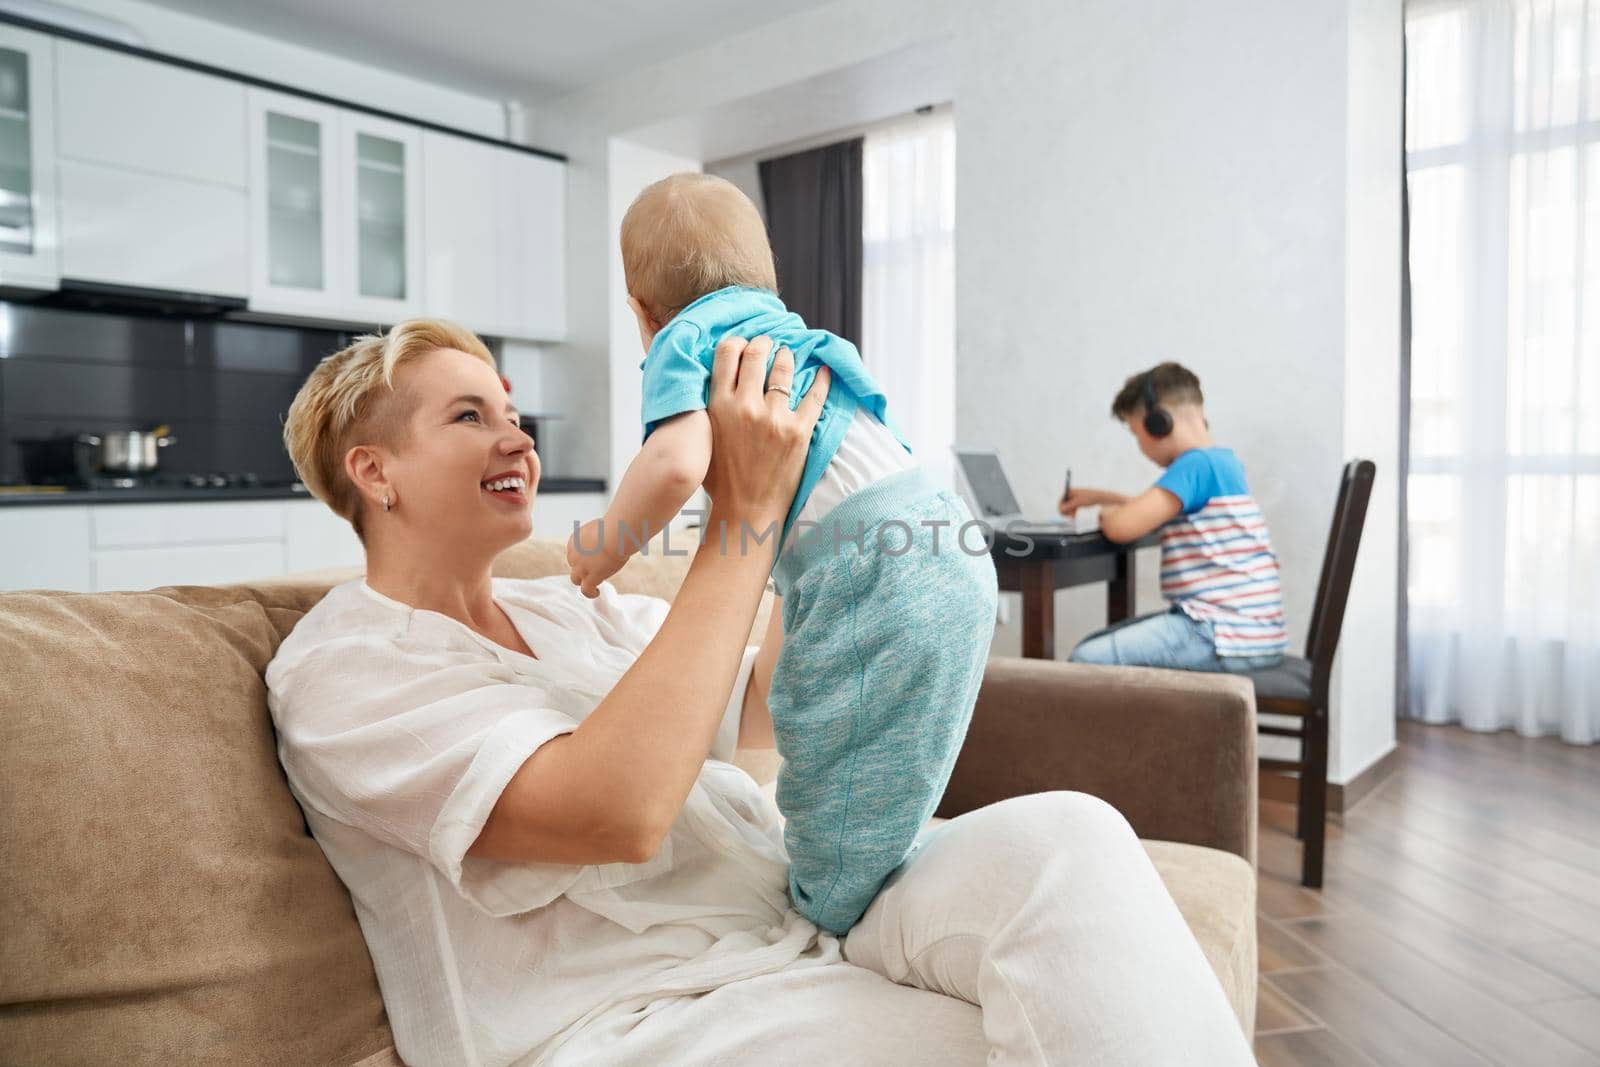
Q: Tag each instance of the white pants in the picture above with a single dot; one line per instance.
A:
(1033, 931)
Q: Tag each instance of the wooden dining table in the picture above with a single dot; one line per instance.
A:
(1036, 565)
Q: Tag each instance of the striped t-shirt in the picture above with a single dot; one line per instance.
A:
(1217, 562)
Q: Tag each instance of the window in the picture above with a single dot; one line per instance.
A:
(1503, 171)
(908, 278)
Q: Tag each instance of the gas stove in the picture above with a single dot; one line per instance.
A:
(198, 482)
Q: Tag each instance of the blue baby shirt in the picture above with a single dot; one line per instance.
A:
(677, 370)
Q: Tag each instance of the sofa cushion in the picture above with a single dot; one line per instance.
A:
(1216, 892)
(163, 900)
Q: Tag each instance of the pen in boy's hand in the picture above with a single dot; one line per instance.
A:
(1066, 490)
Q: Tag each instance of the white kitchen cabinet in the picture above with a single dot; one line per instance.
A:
(336, 212)
(126, 227)
(148, 568)
(380, 218)
(29, 253)
(493, 237)
(45, 548)
(153, 172)
(316, 538)
(175, 179)
(140, 114)
(99, 547)
(295, 238)
(555, 513)
(176, 525)
(531, 250)
(461, 230)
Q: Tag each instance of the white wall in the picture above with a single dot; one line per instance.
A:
(1184, 187)
(632, 168)
(653, 101)
(745, 172)
(1212, 183)
(575, 378)
(1364, 677)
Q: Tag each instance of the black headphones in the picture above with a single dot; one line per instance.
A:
(1157, 420)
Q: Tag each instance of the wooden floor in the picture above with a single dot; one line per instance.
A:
(1460, 919)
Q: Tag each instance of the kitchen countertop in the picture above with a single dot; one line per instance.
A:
(184, 495)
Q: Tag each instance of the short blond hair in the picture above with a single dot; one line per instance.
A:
(351, 399)
(691, 234)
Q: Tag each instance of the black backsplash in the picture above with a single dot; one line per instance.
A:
(223, 387)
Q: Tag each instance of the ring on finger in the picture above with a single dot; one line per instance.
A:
(777, 389)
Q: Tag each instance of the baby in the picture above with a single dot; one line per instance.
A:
(886, 626)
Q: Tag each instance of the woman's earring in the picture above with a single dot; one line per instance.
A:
(386, 503)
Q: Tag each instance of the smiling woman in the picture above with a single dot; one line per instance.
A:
(411, 437)
(355, 397)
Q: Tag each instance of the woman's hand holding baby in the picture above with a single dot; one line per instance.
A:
(757, 448)
(758, 445)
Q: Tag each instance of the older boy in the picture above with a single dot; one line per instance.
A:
(885, 631)
(1218, 572)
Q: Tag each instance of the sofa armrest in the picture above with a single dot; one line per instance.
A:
(1174, 751)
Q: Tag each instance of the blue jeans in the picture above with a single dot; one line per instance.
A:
(1169, 639)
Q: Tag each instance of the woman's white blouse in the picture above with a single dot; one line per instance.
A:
(399, 728)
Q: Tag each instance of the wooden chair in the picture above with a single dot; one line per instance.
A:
(1299, 687)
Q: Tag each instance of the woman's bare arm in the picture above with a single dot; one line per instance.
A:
(609, 791)
(755, 716)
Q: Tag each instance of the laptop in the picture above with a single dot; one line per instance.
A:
(988, 493)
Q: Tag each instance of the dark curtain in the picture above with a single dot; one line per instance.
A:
(1402, 664)
(813, 202)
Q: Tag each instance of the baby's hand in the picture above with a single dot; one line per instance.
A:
(595, 562)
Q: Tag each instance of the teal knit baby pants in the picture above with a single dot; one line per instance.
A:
(888, 614)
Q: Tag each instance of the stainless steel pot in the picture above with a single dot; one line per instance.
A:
(130, 451)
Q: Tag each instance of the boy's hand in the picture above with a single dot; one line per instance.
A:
(596, 562)
(1081, 498)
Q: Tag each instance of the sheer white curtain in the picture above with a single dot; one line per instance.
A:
(908, 327)
(1503, 161)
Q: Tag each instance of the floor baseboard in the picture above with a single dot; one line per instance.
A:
(1278, 785)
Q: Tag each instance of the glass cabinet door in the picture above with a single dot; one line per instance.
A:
(296, 211)
(294, 204)
(16, 155)
(380, 217)
(28, 252)
(383, 225)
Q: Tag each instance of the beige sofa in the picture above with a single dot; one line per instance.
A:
(164, 903)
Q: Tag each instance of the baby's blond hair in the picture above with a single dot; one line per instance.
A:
(688, 235)
(351, 399)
